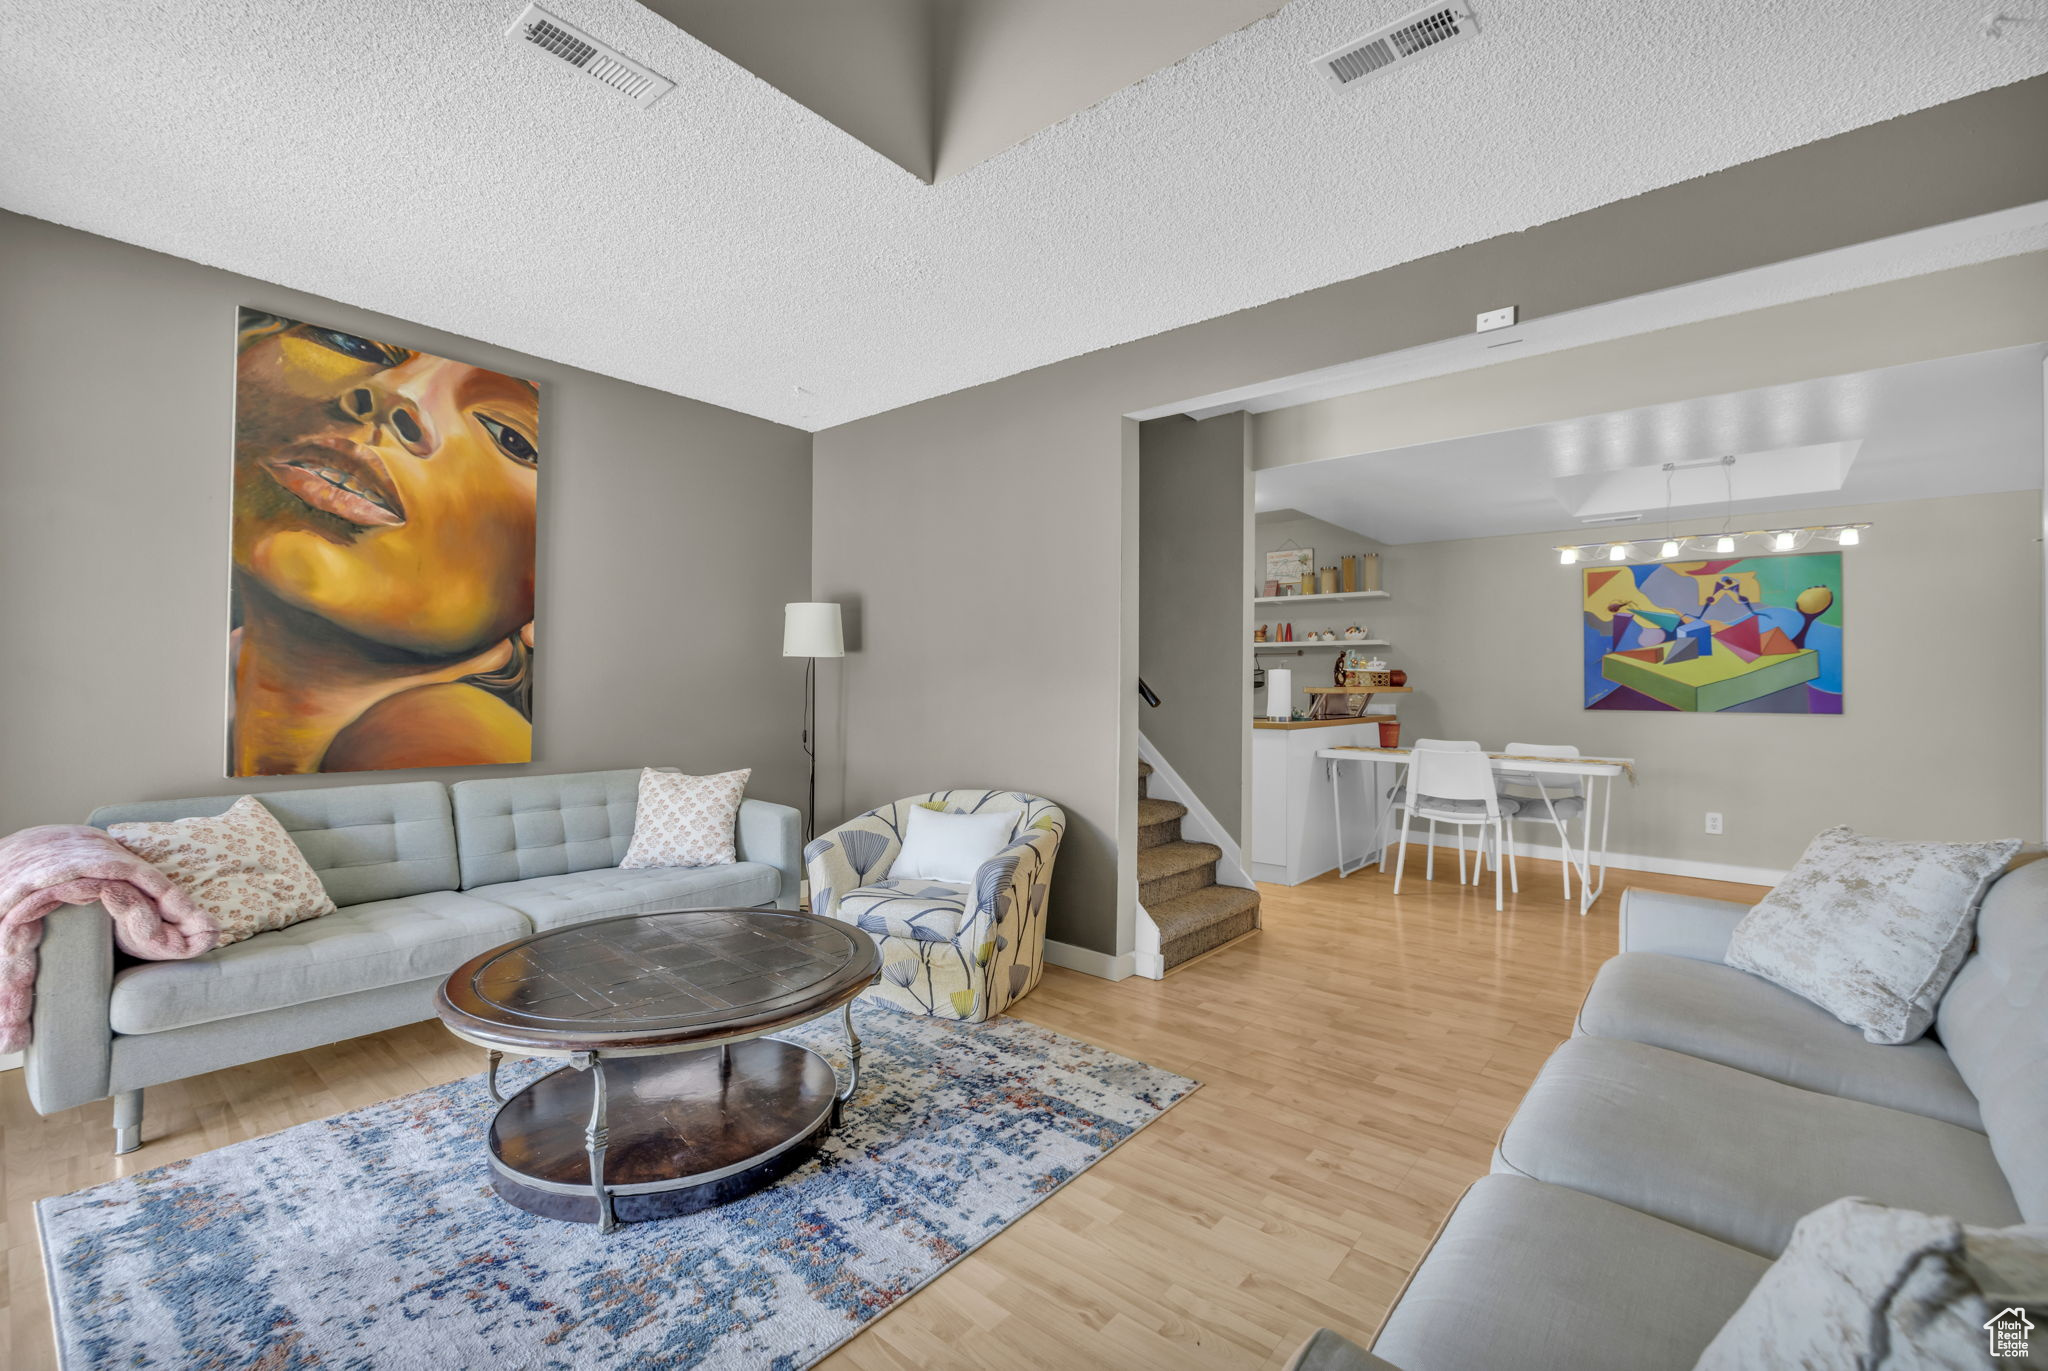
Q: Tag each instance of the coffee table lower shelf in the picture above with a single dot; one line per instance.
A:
(677, 1133)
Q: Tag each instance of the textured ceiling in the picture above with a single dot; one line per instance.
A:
(1951, 426)
(731, 245)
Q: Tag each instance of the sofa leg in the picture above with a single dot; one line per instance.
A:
(127, 1122)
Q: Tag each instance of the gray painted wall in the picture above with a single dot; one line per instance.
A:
(1941, 734)
(672, 532)
(980, 532)
(1193, 501)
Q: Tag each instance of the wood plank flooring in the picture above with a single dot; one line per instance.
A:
(1358, 1057)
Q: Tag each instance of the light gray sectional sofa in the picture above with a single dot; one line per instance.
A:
(1659, 1162)
(426, 876)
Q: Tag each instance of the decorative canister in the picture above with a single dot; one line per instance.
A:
(1390, 733)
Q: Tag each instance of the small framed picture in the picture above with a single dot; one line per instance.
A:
(1289, 565)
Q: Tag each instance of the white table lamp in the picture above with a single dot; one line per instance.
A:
(811, 629)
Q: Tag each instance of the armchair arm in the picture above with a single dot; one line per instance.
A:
(773, 834)
(857, 853)
(71, 1047)
(1007, 883)
(1680, 925)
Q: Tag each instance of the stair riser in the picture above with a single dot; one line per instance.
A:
(1214, 936)
(1158, 892)
(1158, 835)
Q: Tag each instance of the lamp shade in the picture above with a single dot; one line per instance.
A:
(810, 628)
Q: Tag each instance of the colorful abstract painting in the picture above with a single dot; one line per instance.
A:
(1739, 635)
(383, 551)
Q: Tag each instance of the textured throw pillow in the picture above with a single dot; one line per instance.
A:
(686, 820)
(1862, 1287)
(241, 867)
(950, 847)
(1869, 929)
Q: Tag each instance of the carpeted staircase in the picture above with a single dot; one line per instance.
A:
(1177, 884)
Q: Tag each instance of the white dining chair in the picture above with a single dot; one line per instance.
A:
(1457, 788)
(1397, 800)
(1555, 800)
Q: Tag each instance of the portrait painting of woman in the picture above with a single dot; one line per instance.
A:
(383, 561)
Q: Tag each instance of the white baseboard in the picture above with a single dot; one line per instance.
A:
(10, 1061)
(1631, 861)
(1087, 959)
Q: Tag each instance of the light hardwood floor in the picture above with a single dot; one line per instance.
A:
(1358, 1058)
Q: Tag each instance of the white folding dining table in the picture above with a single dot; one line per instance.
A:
(1600, 770)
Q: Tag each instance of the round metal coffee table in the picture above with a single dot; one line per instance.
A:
(672, 1100)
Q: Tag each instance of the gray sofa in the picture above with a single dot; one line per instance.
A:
(1657, 1165)
(426, 876)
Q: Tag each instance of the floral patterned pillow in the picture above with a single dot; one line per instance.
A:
(241, 867)
(686, 820)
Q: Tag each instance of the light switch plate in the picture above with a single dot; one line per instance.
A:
(1497, 318)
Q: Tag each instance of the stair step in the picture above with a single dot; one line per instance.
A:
(1205, 910)
(1173, 858)
(1183, 950)
(1152, 812)
(1144, 769)
(1158, 822)
(1174, 869)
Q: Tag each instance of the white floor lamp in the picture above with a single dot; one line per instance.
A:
(810, 629)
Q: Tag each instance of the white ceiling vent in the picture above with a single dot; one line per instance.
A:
(1407, 37)
(569, 43)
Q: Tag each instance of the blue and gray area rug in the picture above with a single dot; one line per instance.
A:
(373, 1240)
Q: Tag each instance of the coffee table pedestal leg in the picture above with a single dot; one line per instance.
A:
(853, 1073)
(595, 1137)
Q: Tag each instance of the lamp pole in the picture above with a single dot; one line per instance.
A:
(811, 629)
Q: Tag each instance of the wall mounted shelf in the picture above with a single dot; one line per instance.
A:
(1303, 642)
(1313, 599)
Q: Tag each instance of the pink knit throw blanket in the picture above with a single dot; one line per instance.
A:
(59, 864)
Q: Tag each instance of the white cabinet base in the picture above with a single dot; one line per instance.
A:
(1294, 831)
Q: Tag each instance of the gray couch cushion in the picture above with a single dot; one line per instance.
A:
(1328, 1351)
(359, 947)
(514, 828)
(1541, 1278)
(1681, 925)
(367, 842)
(1736, 1156)
(579, 896)
(1704, 1009)
(1994, 1022)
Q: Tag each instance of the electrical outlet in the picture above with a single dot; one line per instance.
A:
(1713, 821)
(1496, 318)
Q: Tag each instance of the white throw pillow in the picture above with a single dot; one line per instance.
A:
(686, 820)
(1862, 1285)
(241, 867)
(950, 847)
(1870, 929)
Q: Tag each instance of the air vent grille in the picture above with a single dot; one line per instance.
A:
(602, 64)
(1399, 41)
(560, 42)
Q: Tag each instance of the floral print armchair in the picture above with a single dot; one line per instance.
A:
(948, 951)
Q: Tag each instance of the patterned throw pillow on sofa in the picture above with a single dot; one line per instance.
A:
(686, 820)
(1871, 929)
(241, 867)
(1863, 1285)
